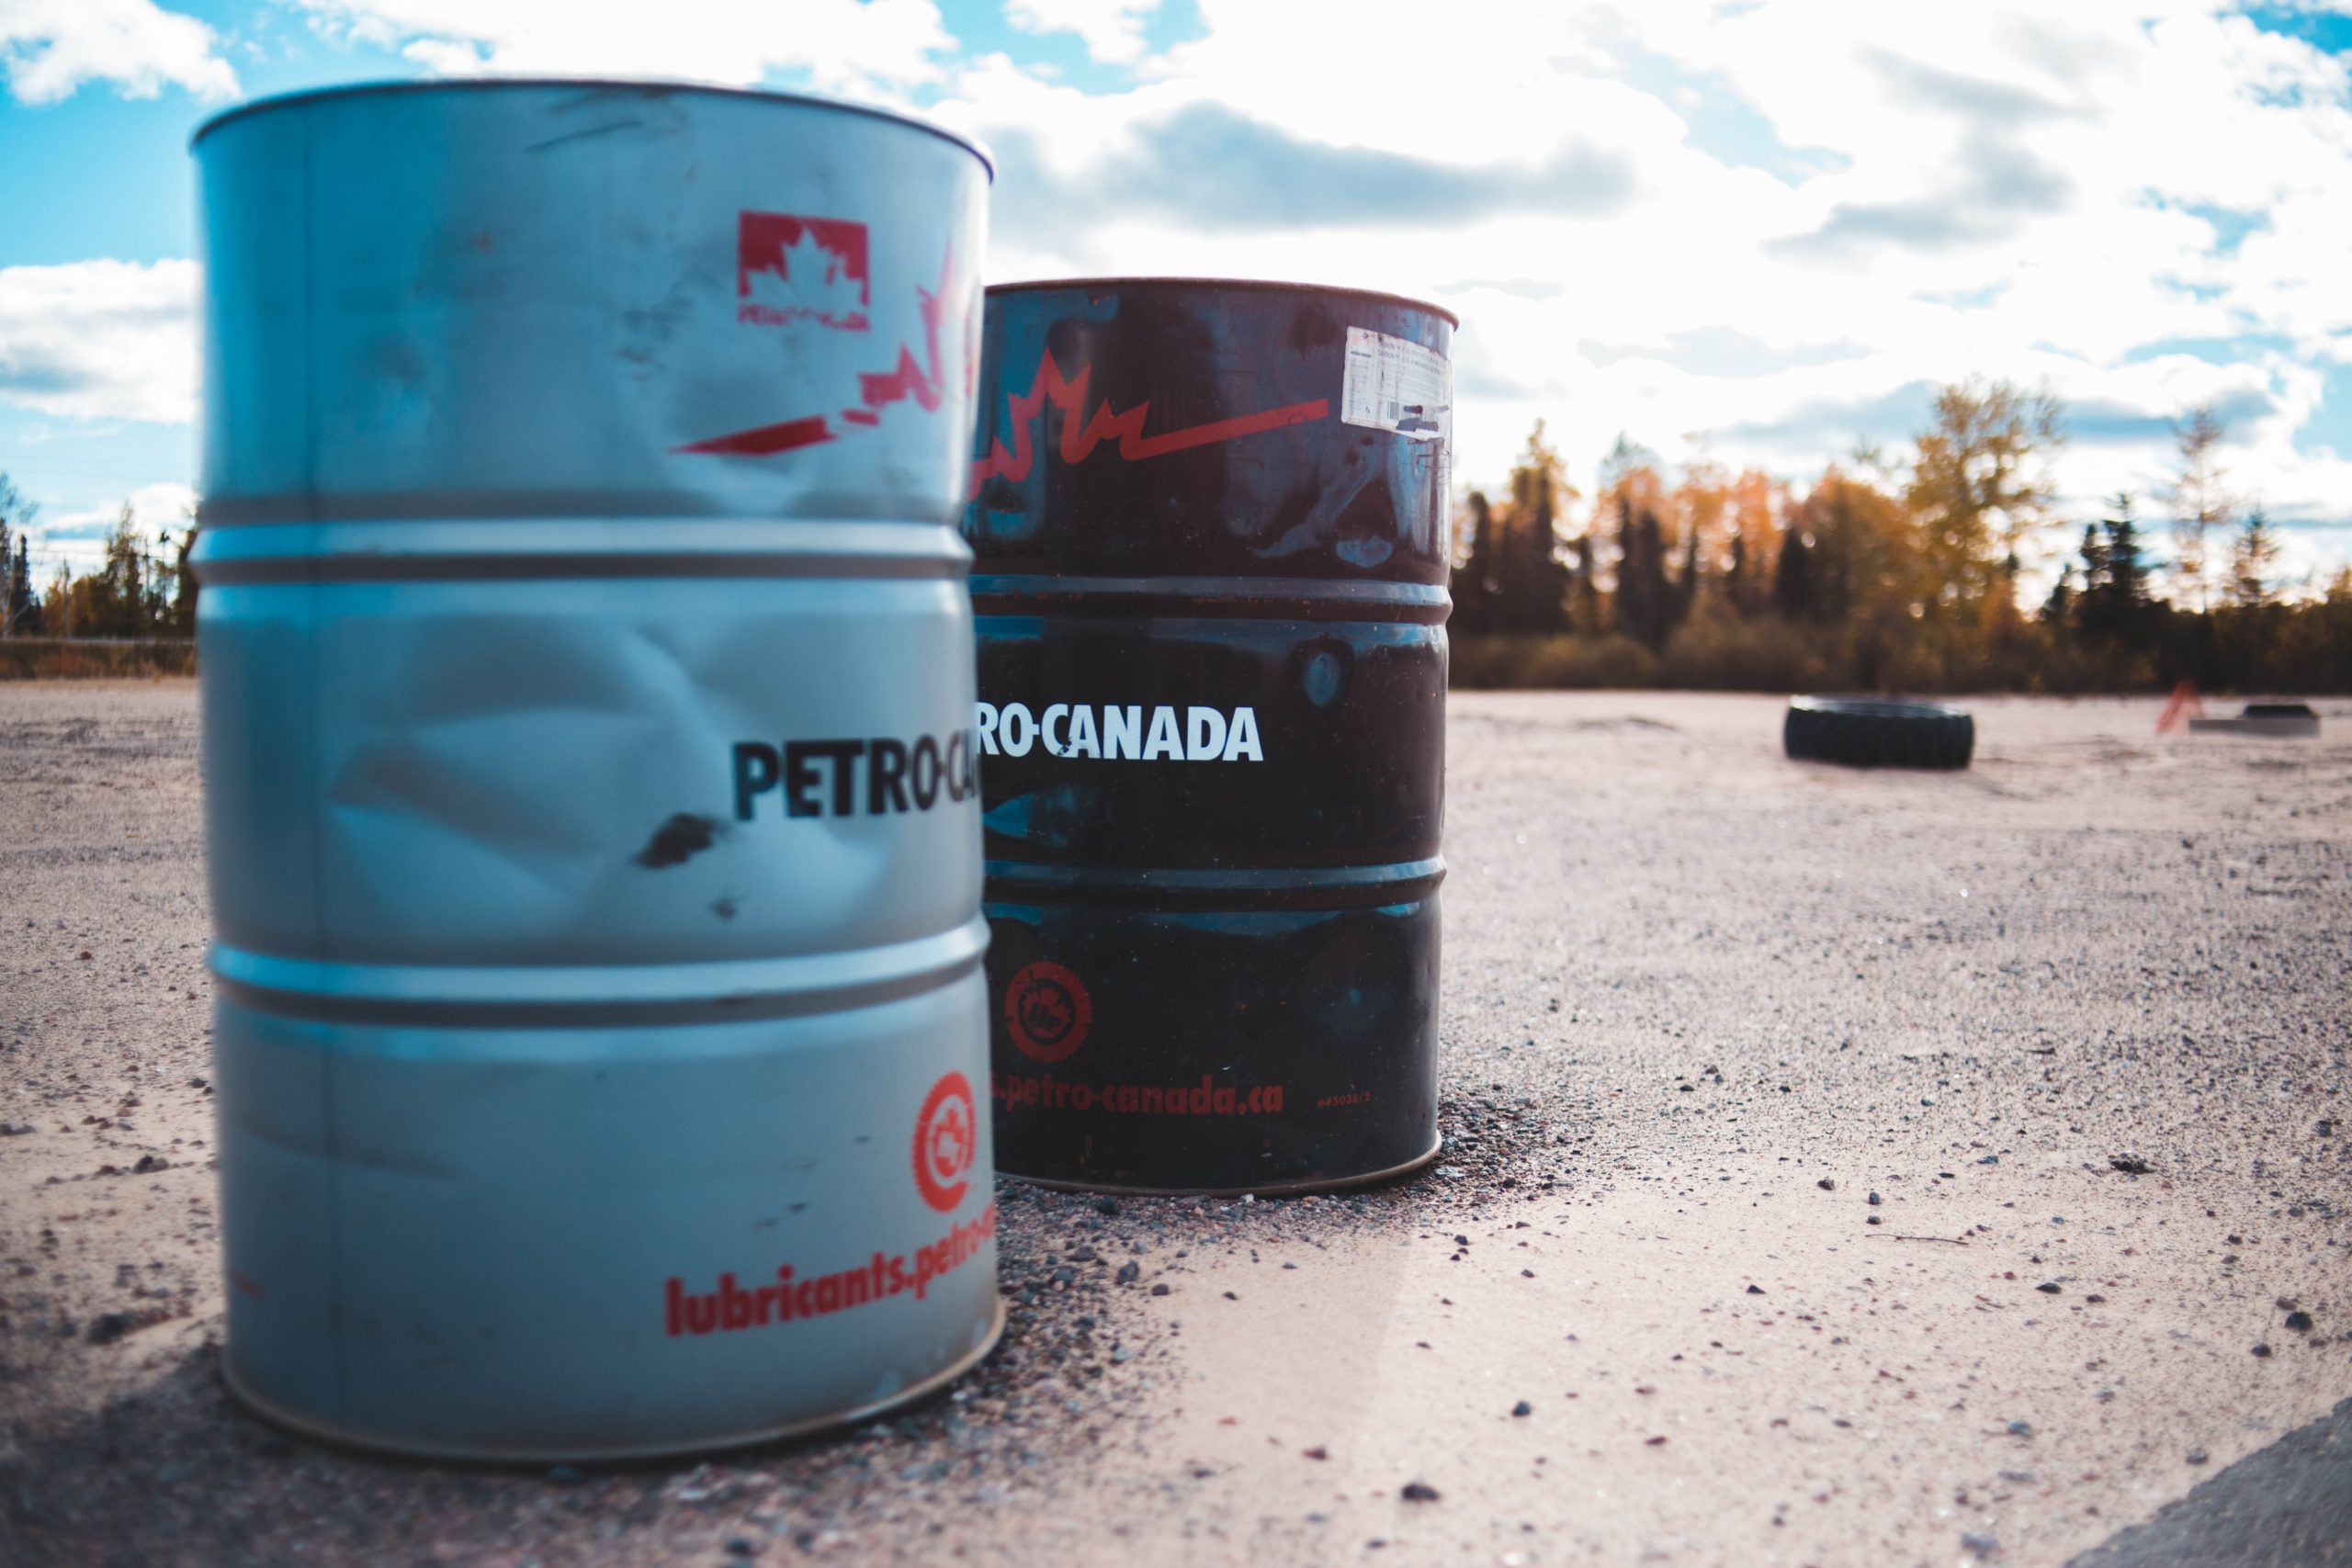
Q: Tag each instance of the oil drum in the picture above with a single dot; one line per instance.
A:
(592, 797)
(1209, 524)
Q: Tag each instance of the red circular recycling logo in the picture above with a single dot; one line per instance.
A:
(947, 1140)
(1048, 1012)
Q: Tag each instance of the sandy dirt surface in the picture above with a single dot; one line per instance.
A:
(1709, 1015)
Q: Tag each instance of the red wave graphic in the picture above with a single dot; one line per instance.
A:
(1080, 437)
(876, 389)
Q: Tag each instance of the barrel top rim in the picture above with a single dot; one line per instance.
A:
(625, 83)
(1270, 284)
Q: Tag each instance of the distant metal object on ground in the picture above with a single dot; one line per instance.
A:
(1210, 523)
(2289, 720)
(591, 809)
(1876, 732)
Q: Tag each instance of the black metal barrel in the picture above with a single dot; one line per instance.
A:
(1210, 528)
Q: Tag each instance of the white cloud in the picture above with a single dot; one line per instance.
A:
(1111, 30)
(1828, 206)
(870, 47)
(50, 48)
(100, 340)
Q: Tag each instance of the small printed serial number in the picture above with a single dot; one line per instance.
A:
(1361, 1096)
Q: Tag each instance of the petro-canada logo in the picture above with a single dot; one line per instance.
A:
(790, 268)
(1048, 1012)
(947, 1140)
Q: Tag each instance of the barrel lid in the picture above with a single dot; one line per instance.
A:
(1266, 283)
(621, 84)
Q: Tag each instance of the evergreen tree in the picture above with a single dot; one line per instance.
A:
(2115, 602)
(1588, 590)
(183, 615)
(21, 610)
(2254, 563)
(1792, 580)
(16, 588)
(2200, 505)
(1477, 581)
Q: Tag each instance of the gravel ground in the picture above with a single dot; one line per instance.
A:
(1709, 1016)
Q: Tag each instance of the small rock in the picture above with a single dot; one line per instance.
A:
(1129, 1272)
(1875, 1200)
(1755, 1290)
(1828, 1184)
(148, 1163)
(1653, 1442)
(2195, 1456)
(2300, 1321)
(15, 1129)
(1160, 1290)
(2047, 1289)
(1107, 1206)
(109, 1326)
(1983, 1545)
(1522, 1408)
(1461, 1241)
(742, 1546)
(1990, 1159)
(84, 955)
(2262, 1351)
(2020, 1428)
(1317, 1452)
(1419, 1492)
(2129, 1165)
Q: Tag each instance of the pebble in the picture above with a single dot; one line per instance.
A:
(2047, 1289)
(1317, 1452)
(1160, 1290)
(1755, 1290)
(1828, 1184)
(1983, 1545)
(2262, 1351)
(1419, 1492)
(2020, 1428)
(1522, 1408)
(15, 1129)
(2300, 1321)
(1875, 1200)
(2195, 1456)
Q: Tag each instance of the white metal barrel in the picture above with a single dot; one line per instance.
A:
(592, 806)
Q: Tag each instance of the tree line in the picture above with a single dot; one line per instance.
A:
(141, 588)
(1884, 576)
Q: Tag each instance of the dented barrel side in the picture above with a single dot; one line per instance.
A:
(592, 792)
(1210, 529)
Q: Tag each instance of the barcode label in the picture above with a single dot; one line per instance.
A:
(1392, 384)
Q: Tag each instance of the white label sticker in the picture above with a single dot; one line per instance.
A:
(1392, 384)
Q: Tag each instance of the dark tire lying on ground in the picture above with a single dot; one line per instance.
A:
(1871, 732)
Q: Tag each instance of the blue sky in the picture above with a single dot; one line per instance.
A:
(1745, 235)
